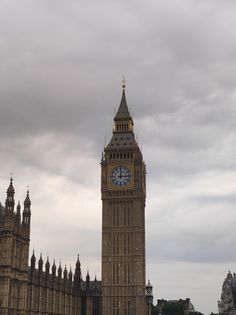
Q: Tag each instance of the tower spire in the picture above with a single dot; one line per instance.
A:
(27, 211)
(123, 82)
(123, 120)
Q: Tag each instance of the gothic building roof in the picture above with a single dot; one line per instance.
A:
(122, 141)
(123, 136)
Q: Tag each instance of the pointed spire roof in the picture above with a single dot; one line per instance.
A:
(65, 273)
(10, 189)
(87, 276)
(10, 202)
(70, 274)
(18, 207)
(54, 268)
(33, 258)
(123, 111)
(78, 263)
(59, 270)
(27, 202)
(47, 262)
(40, 263)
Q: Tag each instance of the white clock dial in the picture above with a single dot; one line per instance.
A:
(120, 176)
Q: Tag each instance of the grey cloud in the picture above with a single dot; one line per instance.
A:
(61, 64)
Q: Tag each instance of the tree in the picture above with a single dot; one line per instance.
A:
(154, 310)
(196, 313)
(173, 309)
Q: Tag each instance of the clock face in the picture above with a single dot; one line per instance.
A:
(120, 176)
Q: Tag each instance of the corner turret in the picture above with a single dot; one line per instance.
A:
(10, 202)
(27, 211)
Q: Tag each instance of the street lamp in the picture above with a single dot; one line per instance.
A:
(149, 297)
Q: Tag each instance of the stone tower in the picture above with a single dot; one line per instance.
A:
(14, 253)
(123, 220)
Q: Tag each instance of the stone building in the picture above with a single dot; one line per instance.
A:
(227, 303)
(31, 290)
(123, 220)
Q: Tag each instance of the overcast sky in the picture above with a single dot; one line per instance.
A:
(61, 63)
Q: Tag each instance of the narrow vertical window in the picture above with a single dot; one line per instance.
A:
(114, 216)
(117, 273)
(117, 216)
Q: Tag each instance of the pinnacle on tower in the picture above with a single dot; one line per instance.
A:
(47, 266)
(77, 274)
(65, 273)
(70, 274)
(78, 264)
(40, 263)
(32, 260)
(87, 276)
(27, 202)
(26, 211)
(87, 281)
(10, 202)
(59, 271)
(54, 268)
(10, 189)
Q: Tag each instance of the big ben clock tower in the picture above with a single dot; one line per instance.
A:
(123, 220)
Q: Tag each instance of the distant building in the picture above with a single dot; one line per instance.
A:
(185, 304)
(227, 303)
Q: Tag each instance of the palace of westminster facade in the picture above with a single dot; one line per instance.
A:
(46, 290)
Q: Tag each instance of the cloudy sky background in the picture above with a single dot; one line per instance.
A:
(61, 63)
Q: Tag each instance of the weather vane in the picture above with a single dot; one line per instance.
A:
(123, 82)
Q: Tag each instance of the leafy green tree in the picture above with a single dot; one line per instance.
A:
(173, 309)
(154, 310)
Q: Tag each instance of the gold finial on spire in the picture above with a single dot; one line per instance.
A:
(123, 82)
